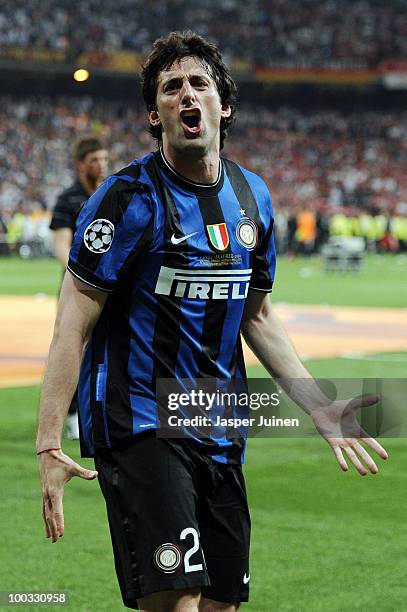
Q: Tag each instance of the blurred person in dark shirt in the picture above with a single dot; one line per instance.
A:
(91, 161)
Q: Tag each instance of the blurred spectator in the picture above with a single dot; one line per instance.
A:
(16, 229)
(306, 231)
(4, 250)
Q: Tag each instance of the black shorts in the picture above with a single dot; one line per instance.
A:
(177, 519)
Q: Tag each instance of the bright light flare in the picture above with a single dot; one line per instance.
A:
(81, 75)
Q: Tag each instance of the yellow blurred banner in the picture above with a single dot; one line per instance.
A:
(32, 54)
(117, 61)
(351, 76)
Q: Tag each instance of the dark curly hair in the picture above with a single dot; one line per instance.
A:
(175, 46)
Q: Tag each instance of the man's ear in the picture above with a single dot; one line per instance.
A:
(226, 110)
(154, 118)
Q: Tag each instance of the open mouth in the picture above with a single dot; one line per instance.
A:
(191, 120)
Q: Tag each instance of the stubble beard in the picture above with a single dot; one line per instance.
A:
(195, 148)
(94, 182)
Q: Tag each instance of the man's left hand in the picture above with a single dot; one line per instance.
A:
(337, 423)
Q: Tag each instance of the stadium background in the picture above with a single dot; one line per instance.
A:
(322, 118)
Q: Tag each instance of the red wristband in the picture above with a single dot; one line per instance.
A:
(48, 449)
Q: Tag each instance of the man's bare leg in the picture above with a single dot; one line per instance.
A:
(185, 600)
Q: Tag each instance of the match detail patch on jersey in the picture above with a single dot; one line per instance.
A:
(247, 233)
(218, 236)
(98, 236)
(167, 558)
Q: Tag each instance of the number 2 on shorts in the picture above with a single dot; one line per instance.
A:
(197, 566)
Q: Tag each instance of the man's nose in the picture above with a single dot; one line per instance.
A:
(187, 93)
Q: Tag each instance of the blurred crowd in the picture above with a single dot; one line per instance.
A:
(266, 32)
(319, 165)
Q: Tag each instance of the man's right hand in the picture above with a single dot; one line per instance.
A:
(56, 469)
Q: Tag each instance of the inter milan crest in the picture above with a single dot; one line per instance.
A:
(167, 558)
(98, 236)
(247, 233)
(218, 236)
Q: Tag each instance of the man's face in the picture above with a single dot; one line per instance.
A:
(188, 108)
(94, 165)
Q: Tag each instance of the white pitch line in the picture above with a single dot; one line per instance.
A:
(397, 357)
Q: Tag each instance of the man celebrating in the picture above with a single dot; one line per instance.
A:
(91, 159)
(173, 258)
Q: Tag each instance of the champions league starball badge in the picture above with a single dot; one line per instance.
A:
(167, 558)
(247, 233)
(98, 236)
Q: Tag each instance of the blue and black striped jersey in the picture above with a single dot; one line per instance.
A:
(178, 259)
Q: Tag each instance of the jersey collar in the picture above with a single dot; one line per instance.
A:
(186, 184)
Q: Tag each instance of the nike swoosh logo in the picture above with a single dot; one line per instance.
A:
(246, 579)
(179, 240)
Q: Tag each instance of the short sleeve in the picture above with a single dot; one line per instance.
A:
(63, 215)
(264, 263)
(111, 230)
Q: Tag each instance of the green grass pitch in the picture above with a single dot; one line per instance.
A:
(322, 540)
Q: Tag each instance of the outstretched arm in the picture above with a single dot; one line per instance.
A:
(78, 311)
(335, 421)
